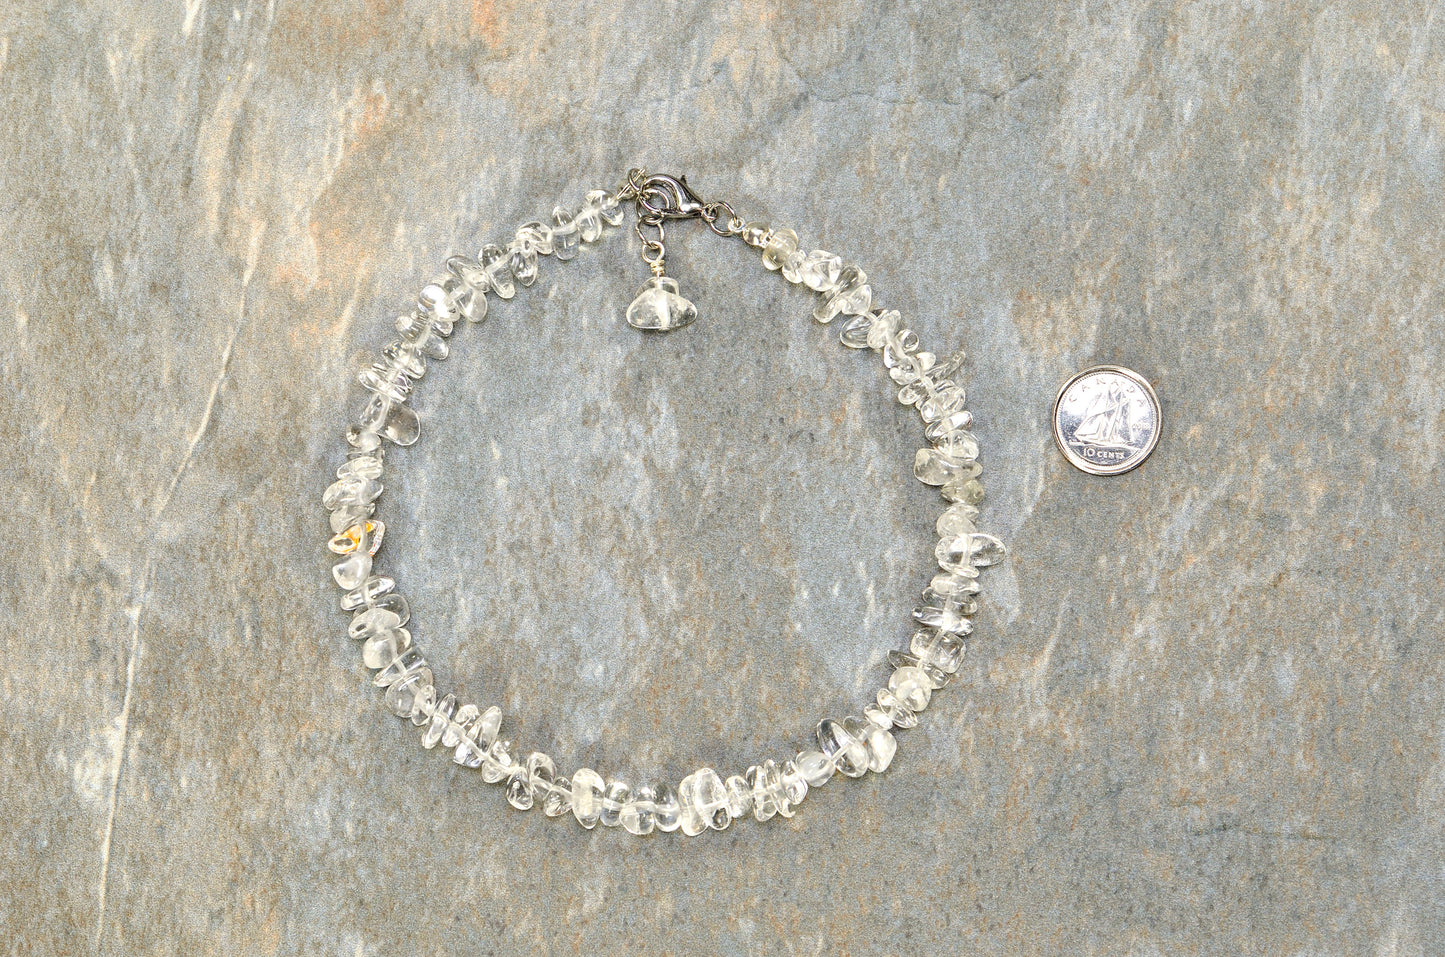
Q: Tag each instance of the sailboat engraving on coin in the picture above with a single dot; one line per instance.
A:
(1106, 420)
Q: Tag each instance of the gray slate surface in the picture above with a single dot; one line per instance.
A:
(1203, 715)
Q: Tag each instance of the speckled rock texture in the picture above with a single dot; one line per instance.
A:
(1203, 711)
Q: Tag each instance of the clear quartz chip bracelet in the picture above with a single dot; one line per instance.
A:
(851, 746)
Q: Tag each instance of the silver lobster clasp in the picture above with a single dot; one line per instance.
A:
(669, 197)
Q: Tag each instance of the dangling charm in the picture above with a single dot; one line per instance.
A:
(660, 307)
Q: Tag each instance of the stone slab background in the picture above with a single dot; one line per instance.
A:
(1203, 714)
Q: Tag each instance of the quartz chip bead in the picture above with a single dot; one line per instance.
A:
(438, 300)
(945, 400)
(403, 695)
(424, 329)
(816, 767)
(361, 535)
(614, 797)
(473, 754)
(936, 430)
(487, 727)
(372, 621)
(536, 236)
(970, 491)
(369, 464)
(541, 771)
(885, 327)
(383, 648)
(467, 752)
(394, 603)
(607, 206)
(954, 586)
(852, 296)
(964, 604)
(362, 440)
(407, 662)
(522, 260)
(352, 570)
(472, 302)
(471, 734)
(357, 545)
(764, 805)
(882, 746)
(896, 710)
(565, 236)
(878, 716)
(639, 813)
(793, 265)
(770, 796)
(360, 469)
(740, 795)
(428, 337)
(519, 789)
(406, 357)
(820, 271)
(350, 491)
(667, 813)
(964, 487)
(782, 243)
(395, 421)
(349, 515)
(957, 444)
(858, 729)
(559, 798)
(704, 802)
(934, 467)
(795, 785)
(386, 379)
(587, 787)
(956, 520)
(912, 688)
(441, 719)
(914, 392)
(938, 649)
(426, 702)
(589, 223)
(898, 351)
(498, 763)
(848, 754)
(937, 677)
(375, 452)
(912, 367)
(496, 265)
(659, 306)
(368, 593)
(969, 550)
(853, 331)
(459, 733)
(948, 618)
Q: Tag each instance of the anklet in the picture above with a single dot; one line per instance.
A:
(704, 799)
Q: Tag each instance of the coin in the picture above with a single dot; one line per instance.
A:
(1106, 420)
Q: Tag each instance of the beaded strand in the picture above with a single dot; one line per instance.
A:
(705, 799)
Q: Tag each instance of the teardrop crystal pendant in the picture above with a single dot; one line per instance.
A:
(659, 307)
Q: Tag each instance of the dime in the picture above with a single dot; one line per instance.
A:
(1106, 420)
